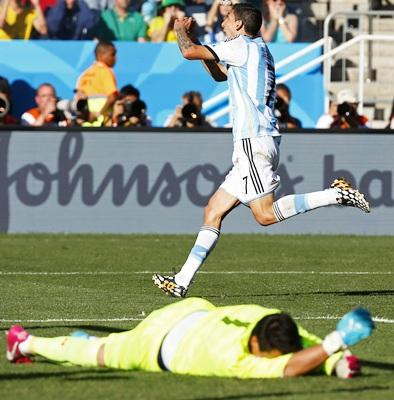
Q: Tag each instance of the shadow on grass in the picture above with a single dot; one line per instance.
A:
(80, 375)
(378, 365)
(94, 328)
(339, 293)
(293, 394)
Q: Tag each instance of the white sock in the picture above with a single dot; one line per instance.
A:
(205, 242)
(25, 346)
(288, 206)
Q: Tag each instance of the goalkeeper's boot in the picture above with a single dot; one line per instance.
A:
(168, 285)
(15, 336)
(348, 366)
(348, 196)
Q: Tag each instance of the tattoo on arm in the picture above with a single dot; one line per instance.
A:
(184, 41)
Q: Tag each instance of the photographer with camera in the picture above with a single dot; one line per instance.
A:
(128, 109)
(347, 116)
(76, 110)
(134, 114)
(188, 114)
(5, 103)
(282, 108)
(46, 112)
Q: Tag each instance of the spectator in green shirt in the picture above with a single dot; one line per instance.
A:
(119, 23)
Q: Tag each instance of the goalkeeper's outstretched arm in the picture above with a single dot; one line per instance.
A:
(351, 329)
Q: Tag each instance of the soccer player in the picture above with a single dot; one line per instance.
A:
(246, 62)
(196, 338)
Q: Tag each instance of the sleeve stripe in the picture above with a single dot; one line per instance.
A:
(213, 52)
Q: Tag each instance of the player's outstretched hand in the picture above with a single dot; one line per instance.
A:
(355, 326)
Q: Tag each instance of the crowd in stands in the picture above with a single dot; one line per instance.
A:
(98, 101)
(137, 20)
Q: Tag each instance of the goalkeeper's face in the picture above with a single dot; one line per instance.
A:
(255, 349)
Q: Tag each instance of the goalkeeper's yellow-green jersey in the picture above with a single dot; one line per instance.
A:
(217, 345)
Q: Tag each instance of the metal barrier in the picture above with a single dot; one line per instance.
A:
(348, 15)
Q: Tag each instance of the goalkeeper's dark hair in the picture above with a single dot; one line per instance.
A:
(278, 331)
(250, 16)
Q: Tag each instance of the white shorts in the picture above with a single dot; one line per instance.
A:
(255, 161)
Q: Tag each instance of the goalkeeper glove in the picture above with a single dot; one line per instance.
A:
(354, 326)
(348, 366)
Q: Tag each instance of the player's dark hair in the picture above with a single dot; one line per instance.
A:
(250, 16)
(278, 331)
(103, 46)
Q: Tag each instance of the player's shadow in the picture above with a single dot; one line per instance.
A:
(292, 394)
(94, 328)
(80, 374)
(388, 292)
(378, 365)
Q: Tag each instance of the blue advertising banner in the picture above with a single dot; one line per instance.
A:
(157, 70)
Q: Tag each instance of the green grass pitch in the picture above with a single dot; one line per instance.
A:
(112, 286)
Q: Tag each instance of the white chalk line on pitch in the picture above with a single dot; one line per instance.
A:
(141, 317)
(200, 272)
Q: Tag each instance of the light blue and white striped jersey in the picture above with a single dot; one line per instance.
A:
(251, 80)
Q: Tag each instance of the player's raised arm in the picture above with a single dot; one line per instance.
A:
(191, 49)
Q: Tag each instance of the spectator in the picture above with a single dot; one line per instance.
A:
(98, 82)
(45, 113)
(17, 19)
(189, 113)
(119, 23)
(213, 26)
(282, 108)
(115, 112)
(279, 25)
(161, 28)
(71, 19)
(135, 107)
(347, 115)
(149, 10)
(325, 121)
(5, 103)
(100, 5)
(130, 93)
(46, 4)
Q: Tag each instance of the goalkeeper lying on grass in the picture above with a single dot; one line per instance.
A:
(194, 337)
